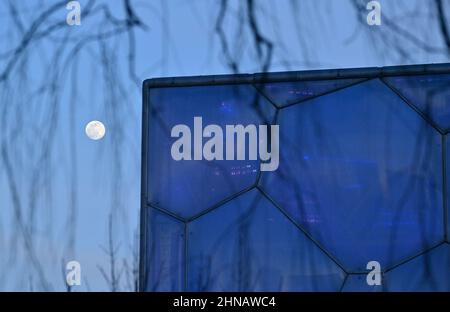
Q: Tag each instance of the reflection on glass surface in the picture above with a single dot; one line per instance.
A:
(165, 252)
(429, 93)
(187, 188)
(428, 272)
(249, 245)
(362, 173)
(286, 93)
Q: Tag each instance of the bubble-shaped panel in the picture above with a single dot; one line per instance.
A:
(428, 272)
(249, 245)
(429, 93)
(165, 252)
(187, 187)
(362, 173)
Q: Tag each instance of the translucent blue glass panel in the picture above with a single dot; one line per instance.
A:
(447, 168)
(285, 93)
(249, 245)
(430, 94)
(428, 272)
(358, 283)
(165, 252)
(362, 173)
(188, 187)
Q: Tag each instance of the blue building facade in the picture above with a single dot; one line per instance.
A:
(362, 177)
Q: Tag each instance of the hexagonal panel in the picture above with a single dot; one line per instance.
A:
(428, 272)
(188, 187)
(249, 245)
(285, 93)
(429, 93)
(362, 173)
(165, 252)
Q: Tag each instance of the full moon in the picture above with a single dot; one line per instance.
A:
(95, 130)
